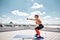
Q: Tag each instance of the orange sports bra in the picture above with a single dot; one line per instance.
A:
(38, 21)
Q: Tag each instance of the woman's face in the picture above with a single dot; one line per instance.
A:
(35, 17)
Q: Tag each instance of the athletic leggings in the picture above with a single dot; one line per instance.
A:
(38, 28)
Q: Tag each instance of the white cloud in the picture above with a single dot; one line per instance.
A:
(45, 20)
(5, 19)
(57, 18)
(36, 13)
(19, 13)
(50, 20)
(44, 12)
(47, 17)
(36, 6)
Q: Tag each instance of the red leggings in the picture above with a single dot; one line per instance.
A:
(38, 28)
(37, 32)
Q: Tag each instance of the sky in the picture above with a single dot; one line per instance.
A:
(17, 11)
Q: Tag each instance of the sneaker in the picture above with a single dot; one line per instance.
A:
(40, 37)
(36, 35)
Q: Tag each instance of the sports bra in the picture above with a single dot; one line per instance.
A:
(38, 21)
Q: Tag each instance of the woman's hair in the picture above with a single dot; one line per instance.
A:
(37, 16)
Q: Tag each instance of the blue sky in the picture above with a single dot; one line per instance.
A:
(18, 10)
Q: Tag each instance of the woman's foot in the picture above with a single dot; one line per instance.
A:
(36, 35)
(40, 37)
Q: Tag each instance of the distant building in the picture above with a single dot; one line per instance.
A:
(11, 23)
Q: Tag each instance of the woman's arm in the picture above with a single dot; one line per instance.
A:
(30, 19)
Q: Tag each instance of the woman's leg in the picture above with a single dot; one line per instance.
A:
(37, 32)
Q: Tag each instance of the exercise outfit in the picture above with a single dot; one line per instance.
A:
(39, 27)
(37, 30)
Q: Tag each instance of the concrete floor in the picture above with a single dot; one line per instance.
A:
(46, 34)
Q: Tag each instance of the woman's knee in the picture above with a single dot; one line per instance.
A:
(36, 28)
